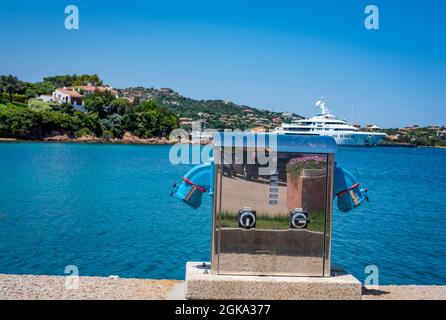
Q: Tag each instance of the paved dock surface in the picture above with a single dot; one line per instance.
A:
(405, 293)
(30, 287)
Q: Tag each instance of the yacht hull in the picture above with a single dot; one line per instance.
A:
(353, 139)
(360, 140)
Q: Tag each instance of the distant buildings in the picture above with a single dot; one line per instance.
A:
(185, 121)
(411, 128)
(144, 94)
(441, 132)
(166, 92)
(258, 129)
(203, 115)
(248, 112)
(394, 137)
(372, 127)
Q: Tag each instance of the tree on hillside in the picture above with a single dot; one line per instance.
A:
(39, 88)
(11, 85)
(118, 106)
(86, 79)
(98, 101)
(149, 120)
(147, 106)
(74, 80)
(114, 124)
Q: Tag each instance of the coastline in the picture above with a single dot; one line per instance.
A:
(94, 140)
(126, 139)
(154, 141)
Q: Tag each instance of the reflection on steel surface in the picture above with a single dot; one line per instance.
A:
(292, 230)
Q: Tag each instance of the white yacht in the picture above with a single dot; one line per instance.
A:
(327, 124)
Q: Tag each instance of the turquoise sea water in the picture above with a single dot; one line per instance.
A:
(107, 210)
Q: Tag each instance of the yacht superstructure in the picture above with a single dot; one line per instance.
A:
(326, 124)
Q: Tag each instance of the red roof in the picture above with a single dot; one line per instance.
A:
(74, 91)
(70, 92)
(98, 88)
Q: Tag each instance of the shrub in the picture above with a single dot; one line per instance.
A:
(83, 132)
(4, 98)
(38, 105)
(19, 98)
(107, 135)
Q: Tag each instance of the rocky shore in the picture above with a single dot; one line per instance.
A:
(130, 139)
(126, 139)
(30, 287)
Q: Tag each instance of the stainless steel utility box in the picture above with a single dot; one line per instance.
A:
(272, 210)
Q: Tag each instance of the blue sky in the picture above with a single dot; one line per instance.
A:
(278, 55)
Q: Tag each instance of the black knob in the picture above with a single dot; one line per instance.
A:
(247, 219)
(298, 220)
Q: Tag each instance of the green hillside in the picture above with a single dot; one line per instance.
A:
(217, 114)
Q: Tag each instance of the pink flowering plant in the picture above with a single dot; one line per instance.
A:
(297, 165)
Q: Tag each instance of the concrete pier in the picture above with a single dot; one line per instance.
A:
(32, 287)
(202, 285)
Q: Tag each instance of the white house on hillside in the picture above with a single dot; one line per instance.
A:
(75, 95)
(68, 95)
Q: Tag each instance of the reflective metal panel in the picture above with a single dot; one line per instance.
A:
(277, 223)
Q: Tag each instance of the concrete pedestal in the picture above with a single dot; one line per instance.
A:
(201, 284)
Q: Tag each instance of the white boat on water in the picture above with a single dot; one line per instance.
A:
(327, 124)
